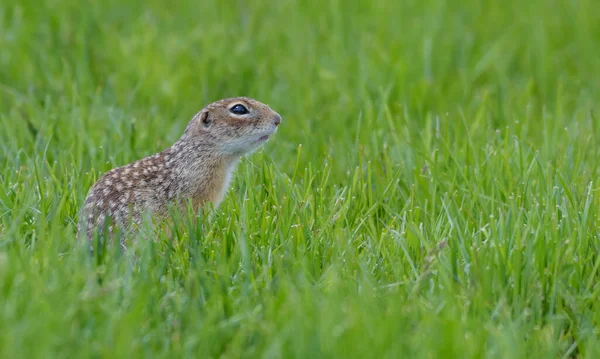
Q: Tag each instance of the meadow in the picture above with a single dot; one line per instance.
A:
(433, 190)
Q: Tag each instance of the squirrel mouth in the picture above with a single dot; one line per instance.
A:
(263, 138)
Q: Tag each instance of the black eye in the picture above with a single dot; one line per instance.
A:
(239, 110)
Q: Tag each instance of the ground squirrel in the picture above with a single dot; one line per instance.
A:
(197, 168)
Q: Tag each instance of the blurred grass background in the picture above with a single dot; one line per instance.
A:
(432, 191)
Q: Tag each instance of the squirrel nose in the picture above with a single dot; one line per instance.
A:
(277, 120)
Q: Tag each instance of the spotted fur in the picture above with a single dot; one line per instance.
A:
(198, 167)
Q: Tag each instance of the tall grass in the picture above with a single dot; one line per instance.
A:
(432, 191)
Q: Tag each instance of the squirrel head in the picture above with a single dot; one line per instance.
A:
(234, 126)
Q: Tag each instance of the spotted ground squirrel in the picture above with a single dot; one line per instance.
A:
(196, 169)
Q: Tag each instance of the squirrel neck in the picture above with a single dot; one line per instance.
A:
(202, 171)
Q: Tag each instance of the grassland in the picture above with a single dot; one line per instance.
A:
(432, 191)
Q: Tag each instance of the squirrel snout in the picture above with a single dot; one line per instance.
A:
(277, 120)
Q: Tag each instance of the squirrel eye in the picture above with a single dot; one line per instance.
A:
(239, 110)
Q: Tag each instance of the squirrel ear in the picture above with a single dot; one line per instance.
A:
(205, 119)
(201, 120)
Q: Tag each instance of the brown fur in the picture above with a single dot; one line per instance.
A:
(198, 167)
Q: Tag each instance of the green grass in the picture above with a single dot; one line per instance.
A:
(433, 190)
